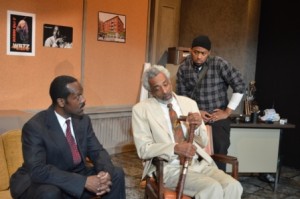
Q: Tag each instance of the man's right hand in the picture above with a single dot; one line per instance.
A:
(185, 149)
(207, 117)
(98, 184)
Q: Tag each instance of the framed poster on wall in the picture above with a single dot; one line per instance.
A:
(20, 33)
(56, 36)
(111, 27)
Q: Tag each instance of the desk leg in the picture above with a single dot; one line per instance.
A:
(278, 170)
(277, 176)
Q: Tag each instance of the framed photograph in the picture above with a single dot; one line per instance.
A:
(20, 33)
(111, 27)
(56, 36)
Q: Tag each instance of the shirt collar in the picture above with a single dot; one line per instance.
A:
(61, 119)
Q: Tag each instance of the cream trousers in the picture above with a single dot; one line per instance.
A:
(204, 181)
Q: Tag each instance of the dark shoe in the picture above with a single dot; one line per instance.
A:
(266, 177)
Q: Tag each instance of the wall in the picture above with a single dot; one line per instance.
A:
(25, 80)
(110, 72)
(112, 126)
(232, 26)
(113, 70)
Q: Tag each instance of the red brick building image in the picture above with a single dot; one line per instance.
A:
(112, 29)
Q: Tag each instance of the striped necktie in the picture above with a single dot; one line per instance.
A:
(73, 146)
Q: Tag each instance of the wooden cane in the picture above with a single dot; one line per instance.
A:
(186, 160)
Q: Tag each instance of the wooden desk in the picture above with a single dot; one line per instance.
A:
(257, 147)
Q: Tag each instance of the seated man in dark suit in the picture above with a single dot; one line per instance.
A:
(55, 145)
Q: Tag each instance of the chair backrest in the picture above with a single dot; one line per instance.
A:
(210, 146)
(11, 157)
(13, 149)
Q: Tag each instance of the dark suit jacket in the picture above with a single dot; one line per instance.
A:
(48, 158)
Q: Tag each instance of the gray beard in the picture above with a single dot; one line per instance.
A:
(164, 101)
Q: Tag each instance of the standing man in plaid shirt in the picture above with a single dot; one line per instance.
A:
(206, 79)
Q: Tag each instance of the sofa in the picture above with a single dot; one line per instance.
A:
(11, 158)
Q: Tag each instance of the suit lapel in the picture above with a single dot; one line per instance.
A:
(183, 105)
(57, 135)
(158, 115)
(78, 132)
(203, 154)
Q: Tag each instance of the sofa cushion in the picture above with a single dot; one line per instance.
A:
(5, 194)
(4, 182)
(13, 149)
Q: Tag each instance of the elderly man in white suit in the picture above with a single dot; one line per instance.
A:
(153, 136)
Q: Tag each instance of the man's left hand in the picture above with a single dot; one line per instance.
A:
(219, 114)
(194, 118)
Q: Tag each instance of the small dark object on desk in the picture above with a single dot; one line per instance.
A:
(247, 118)
(269, 122)
(237, 120)
(254, 117)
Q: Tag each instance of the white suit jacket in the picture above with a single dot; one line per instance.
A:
(151, 134)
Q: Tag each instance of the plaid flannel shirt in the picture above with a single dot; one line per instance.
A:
(211, 92)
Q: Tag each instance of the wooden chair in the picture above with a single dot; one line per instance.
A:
(155, 188)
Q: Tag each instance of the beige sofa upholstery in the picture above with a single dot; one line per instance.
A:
(11, 158)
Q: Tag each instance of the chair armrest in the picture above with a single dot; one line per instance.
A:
(228, 160)
(154, 184)
(224, 158)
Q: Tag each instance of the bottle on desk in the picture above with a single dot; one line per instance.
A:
(247, 118)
